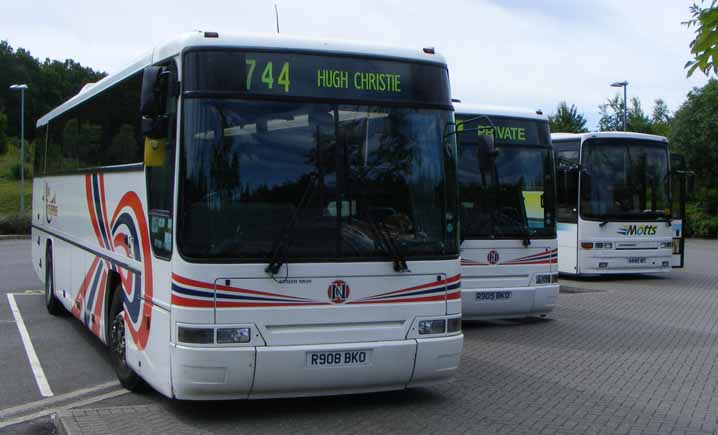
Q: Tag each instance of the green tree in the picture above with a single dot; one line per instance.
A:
(661, 119)
(704, 48)
(612, 116)
(49, 83)
(694, 132)
(3, 137)
(567, 119)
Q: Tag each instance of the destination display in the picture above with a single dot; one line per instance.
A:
(314, 76)
(504, 129)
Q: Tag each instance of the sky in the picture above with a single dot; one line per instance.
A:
(525, 53)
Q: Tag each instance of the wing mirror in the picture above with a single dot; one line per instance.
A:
(487, 152)
(153, 101)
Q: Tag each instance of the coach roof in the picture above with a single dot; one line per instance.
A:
(268, 42)
(489, 110)
(606, 135)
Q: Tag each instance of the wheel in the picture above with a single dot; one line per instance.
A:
(127, 377)
(51, 303)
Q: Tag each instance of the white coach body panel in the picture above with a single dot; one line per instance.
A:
(513, 274)
(636, 247)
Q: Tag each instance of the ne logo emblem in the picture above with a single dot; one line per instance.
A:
(493, 257)
(338, 291)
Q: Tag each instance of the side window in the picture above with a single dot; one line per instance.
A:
(160, 183)
(53, 154)
(101, 131)
(39, 151)
(123, 137)
(567, 185)
(89, 132)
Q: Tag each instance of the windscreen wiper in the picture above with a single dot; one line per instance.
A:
(527, 235)
(280, 246)
(390, 244)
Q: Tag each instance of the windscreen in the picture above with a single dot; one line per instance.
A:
(332, 158)
(625, 179)
(510, 194)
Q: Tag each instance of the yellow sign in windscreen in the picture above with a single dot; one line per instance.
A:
(533, 201)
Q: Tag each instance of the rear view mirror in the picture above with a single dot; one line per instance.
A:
(487, 152)
(153, 101)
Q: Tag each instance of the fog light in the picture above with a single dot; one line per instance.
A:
(666, 264)
(233, 335)
(453, 325)
(195, 335)
(667, 245)
(432, 327)
(603, 265)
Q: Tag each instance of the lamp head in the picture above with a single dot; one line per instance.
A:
(18, 87)
(619, 84)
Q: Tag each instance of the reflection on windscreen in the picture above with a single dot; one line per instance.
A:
(358, 170)
(625, 179)
(510, 199)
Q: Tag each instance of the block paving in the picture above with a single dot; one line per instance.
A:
(623, 355)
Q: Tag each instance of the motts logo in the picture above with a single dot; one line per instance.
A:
(637, 230)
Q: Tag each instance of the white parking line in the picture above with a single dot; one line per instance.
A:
(29, 349)
(50, 401)
(78, 404)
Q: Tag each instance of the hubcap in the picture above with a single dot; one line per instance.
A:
(118, 338)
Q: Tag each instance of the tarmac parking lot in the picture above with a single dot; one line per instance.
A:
(619, 355)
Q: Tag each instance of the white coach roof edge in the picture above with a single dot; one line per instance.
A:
(491, 110)
(607, 134)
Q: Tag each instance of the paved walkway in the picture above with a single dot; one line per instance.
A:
(634, 355)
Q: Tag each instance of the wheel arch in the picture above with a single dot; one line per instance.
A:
(114, 285)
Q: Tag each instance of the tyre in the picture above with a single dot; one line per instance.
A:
(127, 377)
(51, 303)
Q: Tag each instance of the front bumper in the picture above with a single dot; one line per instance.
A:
(524, 301)
(625, 261)
(203, 373)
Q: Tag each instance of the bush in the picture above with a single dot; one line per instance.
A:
(702, 214)
(15, 225)
(15, 172)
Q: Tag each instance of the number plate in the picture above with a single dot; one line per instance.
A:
(636, 260)
(344, 358)
(493, 296)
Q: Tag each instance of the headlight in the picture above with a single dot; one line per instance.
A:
(667, 245)
(546, 278)
(597, 245)
(432, 326)
(226, 335)
(195, 335)
(233, 335)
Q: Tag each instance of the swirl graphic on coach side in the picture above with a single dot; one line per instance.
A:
(126, 233)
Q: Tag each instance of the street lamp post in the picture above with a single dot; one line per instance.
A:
(624, 85)
(22, 88)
